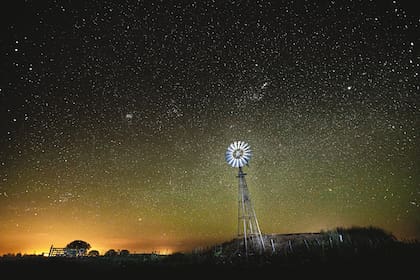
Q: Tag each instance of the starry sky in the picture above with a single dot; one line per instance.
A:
(115, 117)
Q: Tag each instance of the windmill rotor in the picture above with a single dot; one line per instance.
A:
(238, 154)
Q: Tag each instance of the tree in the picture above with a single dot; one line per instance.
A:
(78, 244)
(110, 253)
(93, 253)
(124, 253)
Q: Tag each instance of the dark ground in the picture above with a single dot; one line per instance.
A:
(398, 262)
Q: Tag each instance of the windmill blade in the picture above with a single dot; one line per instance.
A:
(242, 145)
(236, 145)
(247, 152)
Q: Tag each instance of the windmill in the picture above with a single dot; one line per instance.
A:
(238, 155)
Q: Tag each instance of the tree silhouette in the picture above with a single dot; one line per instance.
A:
(78, 244)
(124, 253)
(110, 253)
(93, 253)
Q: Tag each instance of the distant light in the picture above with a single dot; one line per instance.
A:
(129, 116)
(349, 87)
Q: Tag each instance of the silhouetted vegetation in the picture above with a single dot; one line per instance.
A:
(124, 253)
(355, 252)
(78, 244)
(93, 253)
(111, 253)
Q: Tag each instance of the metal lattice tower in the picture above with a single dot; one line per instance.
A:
(249, 233)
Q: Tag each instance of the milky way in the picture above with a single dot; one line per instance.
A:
(115, 117)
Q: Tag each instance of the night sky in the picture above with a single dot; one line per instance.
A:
(115, 117)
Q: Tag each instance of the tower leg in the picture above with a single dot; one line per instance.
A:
(247, 220)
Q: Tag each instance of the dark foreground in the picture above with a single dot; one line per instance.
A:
(398, 261)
